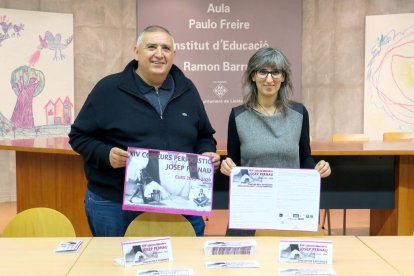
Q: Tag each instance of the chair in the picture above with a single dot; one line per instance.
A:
(356, 137)
(277, 233)
(158, 225)
(338, 138)
(397, 136)
(39, 222)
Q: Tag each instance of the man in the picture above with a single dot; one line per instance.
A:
(151, 104)
(202, 199)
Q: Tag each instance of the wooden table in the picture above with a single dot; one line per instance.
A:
(351, 257)
(50, 174)
(397, 251)
(400, 219)
(36, 256)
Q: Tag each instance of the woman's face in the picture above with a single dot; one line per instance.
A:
(268, 81)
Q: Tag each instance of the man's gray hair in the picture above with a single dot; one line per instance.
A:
(151, 29)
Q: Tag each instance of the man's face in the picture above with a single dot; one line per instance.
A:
(155, 56)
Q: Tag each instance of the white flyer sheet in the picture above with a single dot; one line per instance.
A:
(166, 272)
(307, 271)
(138, 252)
(271, 198)
(168, 182)
(233, 264)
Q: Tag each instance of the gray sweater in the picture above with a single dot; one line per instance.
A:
(277, 141)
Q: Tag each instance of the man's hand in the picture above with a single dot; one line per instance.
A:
(118, 157)
(215, 159)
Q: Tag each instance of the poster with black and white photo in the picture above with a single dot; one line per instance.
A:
(168, 182)
(274, 199)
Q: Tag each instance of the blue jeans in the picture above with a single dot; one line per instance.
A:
(107, 219)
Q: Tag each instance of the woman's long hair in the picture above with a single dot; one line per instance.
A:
(274, 59)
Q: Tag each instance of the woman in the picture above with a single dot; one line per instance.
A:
(269, 130)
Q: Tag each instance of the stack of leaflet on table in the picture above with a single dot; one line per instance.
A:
(69, 246)
(246, 247)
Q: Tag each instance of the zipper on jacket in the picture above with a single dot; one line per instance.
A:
(159, 102)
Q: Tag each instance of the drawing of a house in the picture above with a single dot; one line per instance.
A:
(59, 112)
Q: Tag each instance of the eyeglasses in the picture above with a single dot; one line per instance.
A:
(276, 74)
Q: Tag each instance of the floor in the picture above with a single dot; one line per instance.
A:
(357, 221)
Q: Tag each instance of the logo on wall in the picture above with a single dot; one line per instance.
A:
(220, 90)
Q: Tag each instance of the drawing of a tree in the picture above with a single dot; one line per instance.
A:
(26, 83)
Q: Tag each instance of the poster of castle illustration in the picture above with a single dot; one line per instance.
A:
(389, 74)
(36, 74)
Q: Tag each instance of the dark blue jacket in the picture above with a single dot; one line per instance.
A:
(116, 114)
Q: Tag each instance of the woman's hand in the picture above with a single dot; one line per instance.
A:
(323, 168)
(226, 166)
